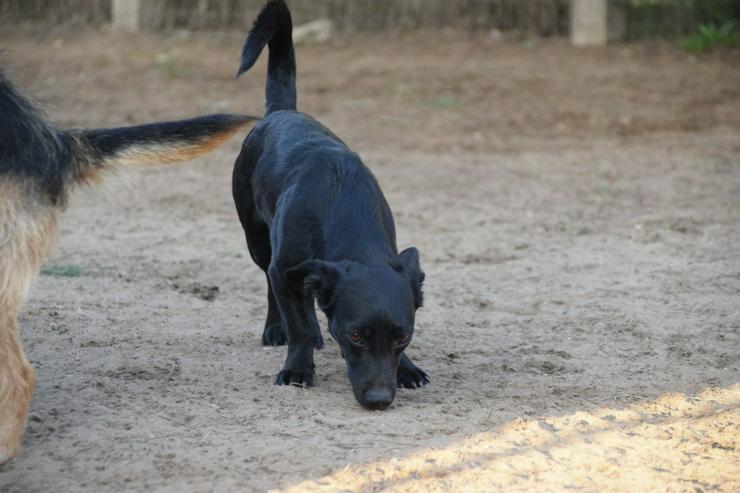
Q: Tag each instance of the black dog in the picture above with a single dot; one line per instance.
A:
(317, 223)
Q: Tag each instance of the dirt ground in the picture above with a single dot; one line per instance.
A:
(578, 214)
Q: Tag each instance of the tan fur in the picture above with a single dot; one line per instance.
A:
(168, 153)
(149, 154)
(27, 231)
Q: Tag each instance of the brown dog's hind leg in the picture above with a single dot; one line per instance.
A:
(27, 230)
(17, 382)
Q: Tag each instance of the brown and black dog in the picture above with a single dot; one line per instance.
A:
(38, 165)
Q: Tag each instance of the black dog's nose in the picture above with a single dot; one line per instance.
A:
(378, 398)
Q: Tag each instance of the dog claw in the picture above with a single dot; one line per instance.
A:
(274, 336)
(411, 379)
(298, 378)
(4, 458)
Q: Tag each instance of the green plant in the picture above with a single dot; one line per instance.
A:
(169, 66)
(443, 102)
(61, 270)
(712, 36)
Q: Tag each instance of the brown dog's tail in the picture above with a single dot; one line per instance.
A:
(99, 150)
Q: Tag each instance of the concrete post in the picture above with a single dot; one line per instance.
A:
(126, 14)
(597, 22)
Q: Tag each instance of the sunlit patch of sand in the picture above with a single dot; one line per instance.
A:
(674, 443)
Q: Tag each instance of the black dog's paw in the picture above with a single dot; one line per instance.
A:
(274, 335)
(411, 378)
(300, 377)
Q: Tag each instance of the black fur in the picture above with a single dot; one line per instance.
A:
(318, 224)
(30, 147)
(274, 27)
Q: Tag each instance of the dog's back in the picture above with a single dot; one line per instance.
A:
(289, 148)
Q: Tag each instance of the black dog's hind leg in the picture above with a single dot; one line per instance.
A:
(409, 375)
(274, 333)
(302, 329)
(258, 242)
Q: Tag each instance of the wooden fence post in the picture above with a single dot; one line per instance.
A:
(126, 14)
(597, 22)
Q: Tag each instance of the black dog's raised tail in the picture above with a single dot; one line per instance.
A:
(273, 27)
(156, 143)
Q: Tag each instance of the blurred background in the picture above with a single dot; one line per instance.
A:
(569, 170)
(644, 19)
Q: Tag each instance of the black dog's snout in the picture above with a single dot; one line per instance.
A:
(378, 398)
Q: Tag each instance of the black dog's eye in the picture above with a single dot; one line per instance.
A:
(403, 340)
(356, 337)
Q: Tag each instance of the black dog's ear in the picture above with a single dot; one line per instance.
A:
(315, 277)
(409, 259)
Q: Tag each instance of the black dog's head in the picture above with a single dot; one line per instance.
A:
(371, 315)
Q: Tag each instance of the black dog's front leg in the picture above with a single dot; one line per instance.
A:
(409, 375)
(274, 334)
(299, 365)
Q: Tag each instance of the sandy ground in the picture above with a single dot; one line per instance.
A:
(578, 214)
